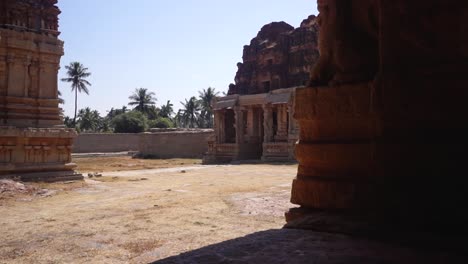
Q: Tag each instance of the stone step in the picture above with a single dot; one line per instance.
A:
(54, 176)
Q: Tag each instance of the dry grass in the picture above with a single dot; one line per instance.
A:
(103, 164)
(115, 220)
(141, 246)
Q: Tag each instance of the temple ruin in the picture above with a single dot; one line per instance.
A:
(33, 143)
(255, 120)
(383, 121)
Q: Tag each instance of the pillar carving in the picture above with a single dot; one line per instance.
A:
(384, 141)
(268, 123)
(33, 146)
(239, 124)
(282, 133)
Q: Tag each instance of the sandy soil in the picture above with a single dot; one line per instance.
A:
(143, 216)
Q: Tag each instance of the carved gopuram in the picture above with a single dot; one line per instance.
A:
(383, 125)
(33, 143)
(255, 120)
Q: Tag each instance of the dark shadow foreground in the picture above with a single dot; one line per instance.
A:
(302, 246)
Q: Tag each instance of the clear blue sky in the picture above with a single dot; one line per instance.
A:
(172, 47)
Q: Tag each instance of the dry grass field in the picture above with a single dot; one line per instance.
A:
(149, 211)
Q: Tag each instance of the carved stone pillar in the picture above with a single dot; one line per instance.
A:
(219, 126)
(239, 125)
(389, 149)
(282, 133)
(268, 123)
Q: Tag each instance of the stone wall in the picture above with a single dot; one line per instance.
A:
(172, 144)
(95, 143)
(186, 144)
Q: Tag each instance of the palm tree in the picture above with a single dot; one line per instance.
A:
(89, 120)
(191, 112)
(77, 75)
(167, 110)
(142, 99)
(206, 96)
(153, 112)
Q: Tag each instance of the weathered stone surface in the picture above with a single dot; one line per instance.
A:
(386, 138)
(255, 120)
(32, 144)
(278, 57)
(182, 144)
(348, 42)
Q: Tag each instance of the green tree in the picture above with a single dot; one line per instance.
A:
(76, 75)
(153, 112)
(115, 112)
(142, 100)
(167, 110)
(130, 122)
(89, 120)
(206, 114)
(189, 115)
(161, 122)
(68, 122)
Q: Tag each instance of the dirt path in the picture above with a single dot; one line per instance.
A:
(143, 216)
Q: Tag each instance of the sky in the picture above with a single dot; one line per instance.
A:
(174, 48)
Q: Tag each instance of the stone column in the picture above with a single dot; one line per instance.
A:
(219, 126)
(267, 123)
(27, 78)
(252, 126)
(239, 125)
(389, 149)
(282, 133)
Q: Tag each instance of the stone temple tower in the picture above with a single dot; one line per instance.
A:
(34, 145)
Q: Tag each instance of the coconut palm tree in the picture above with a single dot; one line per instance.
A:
(191, 112)
(166, 110)
(76, 75)
(206, 115)
(89, 120)
(142, 100)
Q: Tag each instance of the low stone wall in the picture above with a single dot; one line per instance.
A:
(94, 143)
(180, 144)
(165, 144)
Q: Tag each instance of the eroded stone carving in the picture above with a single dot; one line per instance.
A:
(386, 149)
(348, 42)
(33, 146)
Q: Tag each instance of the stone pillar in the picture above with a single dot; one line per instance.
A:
(267, 123)
(282, 133)
(250, 124)
(388, 148)
(219, 126)
(239, 126)
(293, 130)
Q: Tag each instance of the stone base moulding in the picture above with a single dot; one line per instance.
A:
(33, 154)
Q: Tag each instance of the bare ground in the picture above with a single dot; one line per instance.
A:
(143, 215)
(126, 163)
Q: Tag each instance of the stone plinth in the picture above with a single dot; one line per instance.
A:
(37, 154)
(32, 144)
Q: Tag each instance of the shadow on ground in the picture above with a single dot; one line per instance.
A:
(302, 246)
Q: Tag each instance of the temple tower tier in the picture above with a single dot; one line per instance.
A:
(34, 145)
